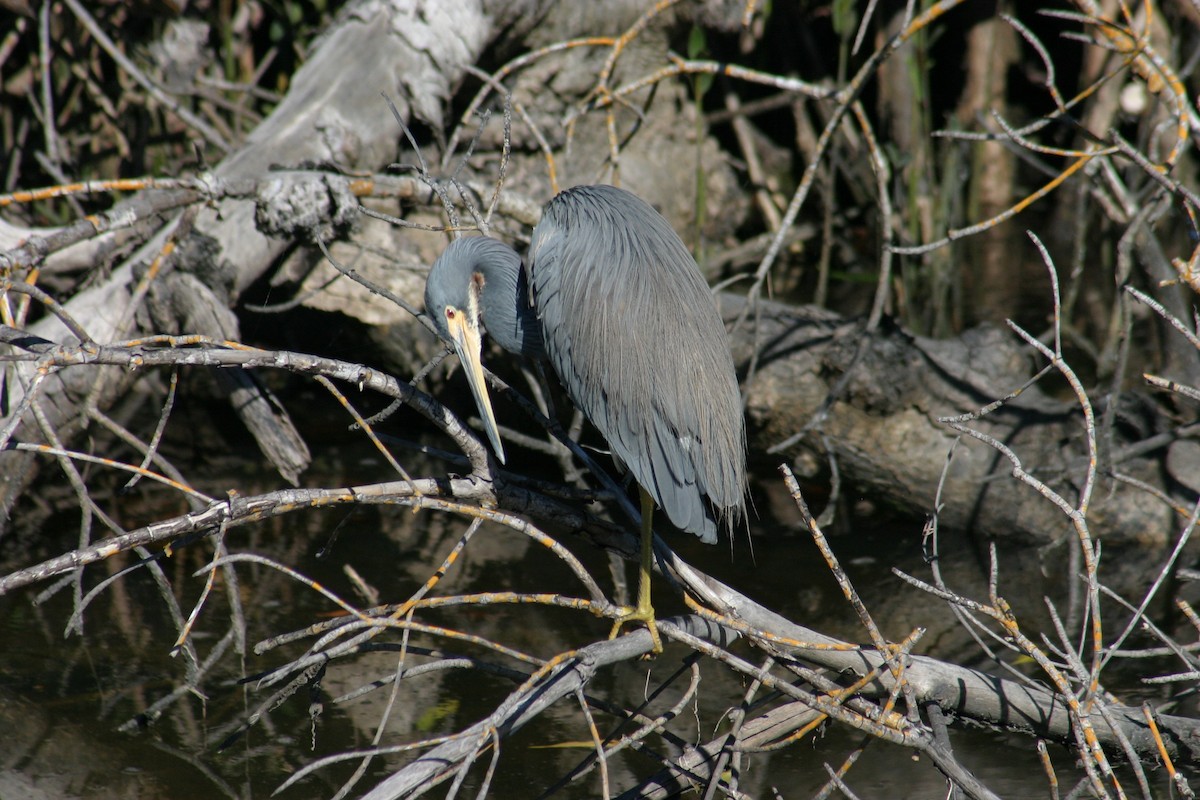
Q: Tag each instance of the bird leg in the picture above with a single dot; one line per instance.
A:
(644, 611)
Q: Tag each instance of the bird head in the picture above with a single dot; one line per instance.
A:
(454, 298)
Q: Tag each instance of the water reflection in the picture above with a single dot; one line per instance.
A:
(68, 697)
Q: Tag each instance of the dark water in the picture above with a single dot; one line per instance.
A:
(64, 700)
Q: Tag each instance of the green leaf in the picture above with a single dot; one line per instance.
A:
(697, 42)
(843, 17)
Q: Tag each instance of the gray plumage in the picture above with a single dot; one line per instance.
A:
(634, 334)
(505, 306)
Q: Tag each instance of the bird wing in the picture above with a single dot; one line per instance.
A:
(634, 335)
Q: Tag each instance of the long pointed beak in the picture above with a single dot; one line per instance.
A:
(464, 332)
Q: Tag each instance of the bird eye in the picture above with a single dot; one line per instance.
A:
(449, 313)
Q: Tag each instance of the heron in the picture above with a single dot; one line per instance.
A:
(611, 297)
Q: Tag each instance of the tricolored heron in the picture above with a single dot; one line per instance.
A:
(612, 298)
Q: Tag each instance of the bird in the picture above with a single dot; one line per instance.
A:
(612, 298)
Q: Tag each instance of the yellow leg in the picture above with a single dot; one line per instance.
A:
(644, 611)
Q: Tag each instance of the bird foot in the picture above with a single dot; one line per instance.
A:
(645, 615)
